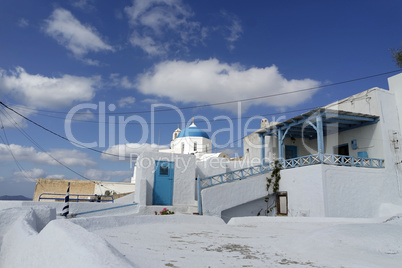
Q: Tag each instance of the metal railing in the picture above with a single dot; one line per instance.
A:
(308, 160)
(77, 197)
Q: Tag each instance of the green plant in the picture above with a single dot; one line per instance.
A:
(164, 211)
(272, 182)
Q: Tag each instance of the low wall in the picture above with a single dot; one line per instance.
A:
(59, 186)
(228, 195)
(83, 209)
(305, 191)
(355, 192)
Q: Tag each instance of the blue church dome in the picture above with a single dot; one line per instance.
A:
(192, 131)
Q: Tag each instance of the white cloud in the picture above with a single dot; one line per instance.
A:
(70, 33)
(118, 81)
(233, 30)
(29, 154)
(83, 116)
(126, 102)
(210, 81)
(84, 4)
(29, 175)
(163, 25)
(55, 176)
(41, 91)
(130, 150)
(150, 101)
(9, 119)
(23, 23)
(102, 175)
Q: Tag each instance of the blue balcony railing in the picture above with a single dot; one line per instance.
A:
(308, 160)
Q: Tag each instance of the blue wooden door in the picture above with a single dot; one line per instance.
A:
(290, 151)
(163, 183)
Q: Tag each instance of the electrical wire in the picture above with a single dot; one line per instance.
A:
(175, 123)
(6, 142)
(239, 100)
(40, 147)
(58, 135)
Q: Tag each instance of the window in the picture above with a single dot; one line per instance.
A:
(164, 170)
(182, 148)
(195, 146)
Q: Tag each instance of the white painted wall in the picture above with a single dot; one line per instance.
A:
(305, 190)
(116, 187)
(395, 86)
(354, 192)
(337, 191)
(249, 209)
(229, 195)
(252, 148)
(184, 178)
(203, 145)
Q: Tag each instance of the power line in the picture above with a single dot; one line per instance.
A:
(175, 123)
(58, 135)
(42, 149)
(239, 100)
(5, 141)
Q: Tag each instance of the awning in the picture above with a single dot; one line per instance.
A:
(333, 121)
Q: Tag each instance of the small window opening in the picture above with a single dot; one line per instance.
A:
(164, 170)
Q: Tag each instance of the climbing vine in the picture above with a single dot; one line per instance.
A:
(272, 182)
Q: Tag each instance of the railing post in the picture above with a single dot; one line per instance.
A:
(262, 149)
(280, 144)
(199, 196)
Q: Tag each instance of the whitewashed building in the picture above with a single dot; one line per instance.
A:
(168, 178)
(341, 160)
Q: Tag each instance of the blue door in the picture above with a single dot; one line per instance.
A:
(290, 151)
(163, 183)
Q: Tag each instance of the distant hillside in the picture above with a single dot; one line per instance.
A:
(15, 197)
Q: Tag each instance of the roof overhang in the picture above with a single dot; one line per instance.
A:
(334, 121)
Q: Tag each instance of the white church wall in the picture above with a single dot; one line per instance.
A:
(187, 143)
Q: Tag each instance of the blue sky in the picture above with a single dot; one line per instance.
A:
(115, 61)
